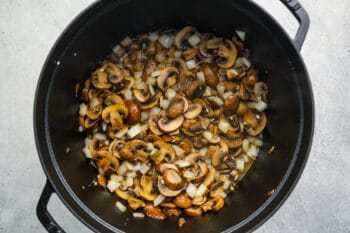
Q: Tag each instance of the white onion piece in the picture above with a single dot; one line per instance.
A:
(154, 111)
(203, 151)
(240, 164)
(116, 178)
(207, 92)
(126, 41)
(178, 150)
(160, 57)
(189, 175)
(100, 136)
(144, 127)
(80, 128)
(104, 126)
(224, 126)
(191, 190)
(246, 62)
(155, 73)
(258, 142)
(127, 94)
(246, 158)
(82, 109)
(144, 168)
(223, 195)
(128, 165)
(194, 40)
(153, 36)
(208, 135)
(220, 89)
(112, 185)
(121, 132)
(170, 93)
(100, 170)
(216, 100)
(152, 80)
(164, 103)
(165, 41)
(122, 169)
(134, 130)
(129, 181)
(138, 215)
(253, 151)
(245, 145)
(87, 153)
(120, 206)
(159, 199)
(144, 115)
(226, 185)
(260, 106)
(182, 163)
(200, 76)
(241, 35)
(232, 71)
(118, 50)
(138, 74)
(227, 94)
(201, 190)
(178, 54)
(191, 64)
(151, 90)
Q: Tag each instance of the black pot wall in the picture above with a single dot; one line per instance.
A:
(92, 36)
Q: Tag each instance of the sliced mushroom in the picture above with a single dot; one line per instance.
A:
(201, 172)
(154, 212)
(153, 125)
(113, 111)
(193, 111)
(112, 99)
(210, 75)
(210, 177)
(153, 101)
(217, 189)
(115, 76)
(231, 104)
(167, 78)
(114, 147)
(141, 95)
(134, 111)
(172, 179)
(193, 211)
(190, 54)
(194, 158)
(242, 108)
(182, 201)
(227, 53)
(94, 113)
(135, 203)
(260, 89)
(259, 127)
(106, 161)
(217, 157)
(125, 195)
(214, 43)
(165, 191)
(195, 89)
(199, 200)
(182, 68)
(150, 67)
(164, 152)
(182, 36)
(100, 81)
(234, 122)
(145, 188)
(132, 149)
(177, 107)
(162, 166)
(169, 125)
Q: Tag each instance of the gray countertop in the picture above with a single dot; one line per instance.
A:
(320, 201)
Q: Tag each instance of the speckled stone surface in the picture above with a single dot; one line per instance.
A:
(320, 201)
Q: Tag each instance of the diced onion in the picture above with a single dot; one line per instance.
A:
(246, 158)
(191, 64)
(100, 136)
(144, 115)
(194, 40)
(134, 130)
(94, 102)
(240, 164)
(200, 76)
(165, 41)
(144, 168)
(189, 175)
(144, 127)
(178, 150)
(127, 94)
(207, 92)
(224, 126)
(122, 169)
(258, 142)
(191, 190)
(253, 151)
(260, 106)
(151, 90)
(223, 195)
(128, 165)
(226, 185)
(178, 54)
(121, 132)
(138, 74)
(120, 206)
(203, 151)
(129, 181)
(118, 50)
(131, 174)
(152, 80)
(227, 94)
(246, 62)
(153, 36)
(216, 100)
(170, 93)
(208, 135)
(154, 111)
(155, 74)
(245, 145)
(82, 109)
(241, 35)
(126, 41)
(201, 190)
(220, 89)
(182, 163)
(138, 215)
(164, 103)
(112, 185)
(87, 152)
(80, 128)
(104, 126)
(159, 199)
(116, 178)
(160, 57)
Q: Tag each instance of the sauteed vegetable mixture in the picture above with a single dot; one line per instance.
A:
(173, 120)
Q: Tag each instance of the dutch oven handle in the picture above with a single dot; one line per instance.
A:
(41, 210)
(303, 18)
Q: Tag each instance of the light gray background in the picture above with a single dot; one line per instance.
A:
(319, 203)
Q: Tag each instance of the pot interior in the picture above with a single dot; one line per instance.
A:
(94, 35)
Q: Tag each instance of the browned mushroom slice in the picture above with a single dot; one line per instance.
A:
(115, 146)
(182, 68)
(195, 89)
(173, 179)
(217, 157)
(169, 125)
(227, 53)
(115, 76)
(150, 67)
(193, 212)
(182, 201)
(164, 152)
(125, 195)
(167, 78)
(165, 191)
(135, 203)
(260, 89)
(162, 166)
(190, 54)
(141, 95)
(249, 119)
(194, 158)
(259, 127)
(113, 99)
(154, 212)
(114, 114)
(177, 107)
(94, 113)
(234, 122)
(100, 81)
(210, 75)
(90, 124)
(231, 104)
(193, 111)
(106, 161)
(201, 171)
(214, 43)
(182, 36)
(242, 108)
(134, 111)
(153, 125)
(210, 177)
(153, 101)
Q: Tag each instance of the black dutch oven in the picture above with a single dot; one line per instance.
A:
(94, 33)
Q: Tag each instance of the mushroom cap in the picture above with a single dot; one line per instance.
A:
(173, 179)
(169, 125)
(176, 107)
(167, 78)
(182, 201)
(134, 111)
(227, 53)
(195, 89)
(231, 104)
(164, 190)
(115, 108)
(210, 75)
(183, 35)
(259, 127)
